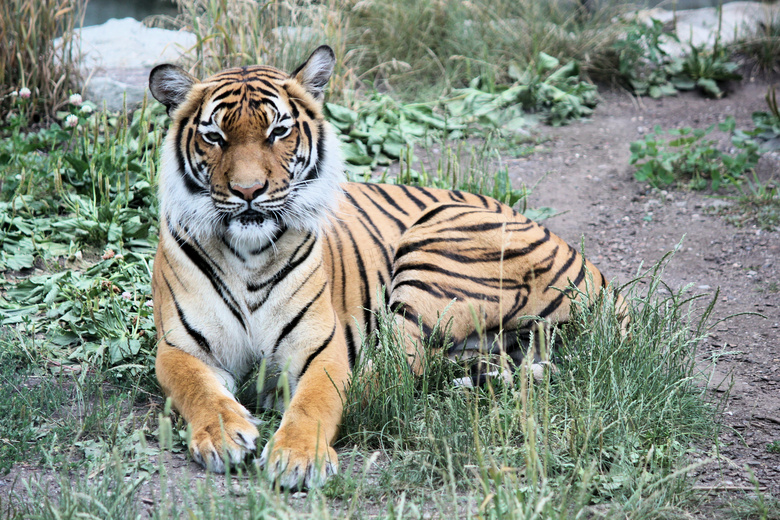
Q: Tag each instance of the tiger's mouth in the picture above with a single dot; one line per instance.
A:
(250, 216)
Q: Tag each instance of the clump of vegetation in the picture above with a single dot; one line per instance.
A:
(767, 131)
(78, 201)
(648, 69)
(406, 47)
(32, 63)
(689, 157)
(757, 203)
(380, 128)
(762, 47)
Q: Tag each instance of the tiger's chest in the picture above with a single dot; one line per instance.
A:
(245, 304)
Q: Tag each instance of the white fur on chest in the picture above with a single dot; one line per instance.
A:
(241, 325)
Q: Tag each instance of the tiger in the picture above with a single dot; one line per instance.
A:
(266, 254)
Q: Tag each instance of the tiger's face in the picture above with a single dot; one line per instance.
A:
(249, 153)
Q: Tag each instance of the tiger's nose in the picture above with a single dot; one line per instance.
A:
(248, 193)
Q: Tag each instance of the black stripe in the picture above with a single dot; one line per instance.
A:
(317, 352)
(296, 319)
(231, 249)
(494, 283)
(409, 314)
(224, 94)
(291, 264)
(350, 344)
(366, 217)
(417, 202)
(553, 305)
(401, 226)
(320, 148)
(364, 279)
(271, 241)
(489, 226)
(204, 264)
(376, 234)
(456, 195)
(563, 269)
(435, 211)
(450, 293)
(194, 334)
(417, 246)
(493, 255)
(377, 188)
(193, 187)
(427, 193)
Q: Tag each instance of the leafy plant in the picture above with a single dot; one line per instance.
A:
(648, 68)
(556, 91)
(706, 69)
(642, 61)
(767, 130)
(688, 155)
(380, 129)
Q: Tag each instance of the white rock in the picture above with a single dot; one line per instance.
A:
(117, 56)
(128, 43)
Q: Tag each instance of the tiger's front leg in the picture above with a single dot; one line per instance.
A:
(222, 430)
(300, 451)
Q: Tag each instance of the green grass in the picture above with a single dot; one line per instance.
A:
(611, 432)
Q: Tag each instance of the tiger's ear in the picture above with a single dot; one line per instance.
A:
(170, 85)
(315, 72)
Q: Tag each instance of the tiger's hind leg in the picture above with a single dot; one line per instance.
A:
(492, 269)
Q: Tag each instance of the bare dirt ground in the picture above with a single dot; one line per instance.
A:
(584, 173)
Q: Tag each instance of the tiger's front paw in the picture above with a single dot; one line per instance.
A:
(227, 434)
(298, 461)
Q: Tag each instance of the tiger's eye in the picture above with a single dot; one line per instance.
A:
(279, 131)
(214, 138)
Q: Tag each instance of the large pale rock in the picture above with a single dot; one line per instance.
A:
(700, 27)
(118, 55)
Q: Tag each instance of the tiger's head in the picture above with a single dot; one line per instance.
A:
(249, 152)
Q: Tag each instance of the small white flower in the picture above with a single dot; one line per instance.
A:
(75, 99)
(72, 121)
(127, 296)
(149, 303)
(24, 93)
(86, 109)
(14, 94)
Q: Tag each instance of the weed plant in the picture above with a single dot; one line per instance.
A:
(689, 157)
(31, 59)
(762, 48)
(757, 203)
(647, 69)
(767, 131)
